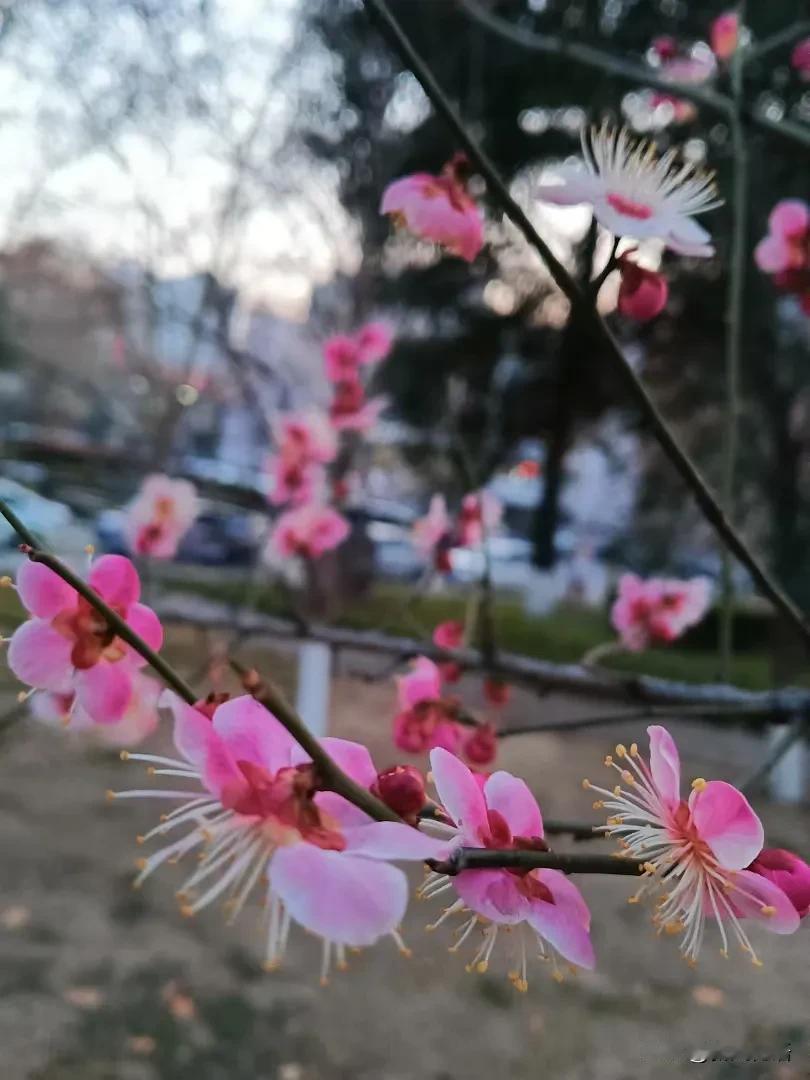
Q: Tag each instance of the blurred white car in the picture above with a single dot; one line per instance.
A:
(45, 518)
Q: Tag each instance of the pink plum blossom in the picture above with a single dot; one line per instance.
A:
(725, 34)
(351, 410)
(789, 872)
(480, 513)
(309, 531)
(642, 293)
(431, 530)
(449, 635)
(66, 647)
(294, 482)
(785, 251)
(160, 515)
(636, 194)
(543, 908)
(259, 814)
(800, 59)
(658, 609)
(438, 208)
(481, 746)
(305, 437)
(345, 354)
(138, 722)
(425, 718)
(695, 851)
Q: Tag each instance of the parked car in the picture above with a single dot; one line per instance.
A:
(46, 518)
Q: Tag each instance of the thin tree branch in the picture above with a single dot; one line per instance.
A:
(734, 335)
(629, 71)
(21, 530)
(776, 41)
(331, 775)
(602, 336)
(489, 859)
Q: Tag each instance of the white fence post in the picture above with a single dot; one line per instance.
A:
(786, 782)
(312, 692)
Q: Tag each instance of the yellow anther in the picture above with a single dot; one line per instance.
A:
(598, 805)
(691, 961)
(621, 750)
(5, 582)
(342, 965)
(124, 755)
(755, 960)
(648, 868)
(187, 911)
(140, 840)
(674, 927)
(634, 899)
(405, 951)
(109, 795)
(482, 967)
(628, 778)
(698, 784)
(768, 909)
(586, 784)
(151, 770)
(271, 965)
(521, 985)
(633, 749)
(617, 790)
(608, 760)
(724, 953)
(558, 976)
(140, 864)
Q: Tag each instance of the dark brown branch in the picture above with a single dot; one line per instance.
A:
(601, 336)
(21, 530)
(651, 695)
(489, 859)
(332, 777)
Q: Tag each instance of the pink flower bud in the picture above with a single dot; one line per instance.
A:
(449, 635)
(451, 671)
(665, 47)
(800, 59)
(790, 873)
(496, 691)
(402, 789)
(643, 293)
(482, 746)
(725, 35)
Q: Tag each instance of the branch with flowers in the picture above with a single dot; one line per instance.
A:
(262, 806)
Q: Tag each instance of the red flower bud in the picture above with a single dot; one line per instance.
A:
(402, 789)
(643, 293)
(790, 873)
(496, 692)
(451, 671)
(482, 746)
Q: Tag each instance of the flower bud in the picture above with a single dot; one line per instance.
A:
(790, 873)
(496, 691)
(642, 293)
(402, 789)
(482, 745)
(449, 635)
(725, 34)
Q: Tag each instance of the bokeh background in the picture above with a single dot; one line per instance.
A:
(189, 207)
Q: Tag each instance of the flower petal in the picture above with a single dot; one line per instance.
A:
(42, 592)
(494, 894)
(146, 625)
(116, 580)
(343, 898)
(726, 821)
(390, 840)
(40, 656)
(460, 795)
(346, 814)
(353, 758)
(251, 733)
(665, 764)
(566, 894)
(577, 187)
(422, 683)
(762, 893)
(104, 691)
(201, 746)
(511, 797)
(560, 925)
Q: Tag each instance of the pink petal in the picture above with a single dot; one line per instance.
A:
(577, 187)
(353, 758)
(665, 764)
(40, 656)
(390, 840)
(201, 746)
(422, 683)
(726, 821)
(42, 592)
(346, 814)
(512, 799)
(116, 580)
(146, 625)
(343, 898)
(460, 795)
(566, 894)
(251, 733)
(494, 894)
(790, 218)
(560, 925)
(104, 691)
(763, 893)
(772, 254)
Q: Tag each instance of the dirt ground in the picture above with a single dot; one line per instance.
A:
(99, 982)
